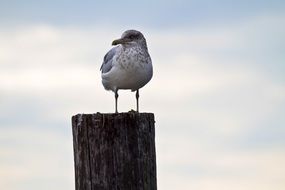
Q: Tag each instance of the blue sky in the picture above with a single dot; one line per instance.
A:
(156, 14)
(218, 91)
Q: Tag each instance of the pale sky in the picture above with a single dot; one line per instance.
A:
(218, 91)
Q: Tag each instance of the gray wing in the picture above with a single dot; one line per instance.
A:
(107, 62)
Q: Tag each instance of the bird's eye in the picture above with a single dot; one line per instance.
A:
(131, 36)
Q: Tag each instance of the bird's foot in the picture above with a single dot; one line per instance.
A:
(132, 111)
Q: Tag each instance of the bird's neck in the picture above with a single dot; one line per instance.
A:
(141, 47)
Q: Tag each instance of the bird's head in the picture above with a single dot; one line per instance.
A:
(131, 37)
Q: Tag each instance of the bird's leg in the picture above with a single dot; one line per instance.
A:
(137, 97)
(116, 101)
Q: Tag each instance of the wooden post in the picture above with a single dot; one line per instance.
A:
(114, 151)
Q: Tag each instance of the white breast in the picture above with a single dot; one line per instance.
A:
(131, 70)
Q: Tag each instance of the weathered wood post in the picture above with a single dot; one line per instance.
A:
(114, 151)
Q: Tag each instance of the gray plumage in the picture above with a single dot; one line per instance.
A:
(128, 65)
(107, 62)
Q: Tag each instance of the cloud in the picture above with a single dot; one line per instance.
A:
(34, 158)
(214, 104)
(204, 168)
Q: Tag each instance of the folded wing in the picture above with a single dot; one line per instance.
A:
(108, 61)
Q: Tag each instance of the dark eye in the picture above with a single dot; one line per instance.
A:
(132, 37)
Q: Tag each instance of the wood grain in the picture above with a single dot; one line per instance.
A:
(114, 151)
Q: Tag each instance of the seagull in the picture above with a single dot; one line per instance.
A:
(127, 66)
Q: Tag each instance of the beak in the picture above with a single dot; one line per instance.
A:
(119, 41)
